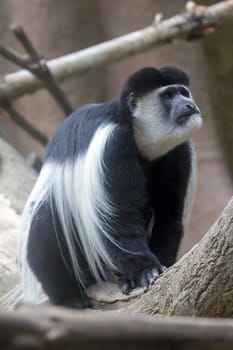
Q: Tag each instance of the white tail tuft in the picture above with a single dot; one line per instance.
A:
(15, 297)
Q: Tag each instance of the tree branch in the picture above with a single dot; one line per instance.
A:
(37, 66)
(56, 328)
(25, 42)
(13, 56)
(16, 117)
(182, 26)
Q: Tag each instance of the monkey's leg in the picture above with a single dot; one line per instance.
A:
(167, 187)
(125, 185)
(165, 241)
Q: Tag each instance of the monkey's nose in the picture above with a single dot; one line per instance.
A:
(192, 107)
(187, 111)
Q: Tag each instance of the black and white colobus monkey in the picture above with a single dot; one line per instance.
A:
(111, 196)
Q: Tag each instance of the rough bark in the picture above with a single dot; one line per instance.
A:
(54, 328)
(187, 25)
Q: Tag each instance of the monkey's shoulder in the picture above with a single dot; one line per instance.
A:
(75, 133)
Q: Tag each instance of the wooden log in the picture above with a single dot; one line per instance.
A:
(56, 328)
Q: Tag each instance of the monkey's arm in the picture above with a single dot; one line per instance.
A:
(169, 179)
(125, 182)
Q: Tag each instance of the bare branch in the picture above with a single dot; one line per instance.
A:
(12, 56)
(25, 42)
(16, 117)
(183, 26)
(37, 66)
(56, 328)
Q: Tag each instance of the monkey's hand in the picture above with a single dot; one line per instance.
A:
(143, 278)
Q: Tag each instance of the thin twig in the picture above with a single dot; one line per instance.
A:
(35, 63)
(15, 116)
(38, 66)
(12, 56)
(25, 42)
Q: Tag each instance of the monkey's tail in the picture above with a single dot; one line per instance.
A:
(28, 289)
(10, 300)
(15, 297)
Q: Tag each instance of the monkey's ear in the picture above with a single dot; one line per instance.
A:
(131, 102)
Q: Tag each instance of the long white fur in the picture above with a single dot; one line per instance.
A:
(79, 194)
(32, 291)
(191, 188)
(155, 134)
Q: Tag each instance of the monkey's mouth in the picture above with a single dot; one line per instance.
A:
(184, 117)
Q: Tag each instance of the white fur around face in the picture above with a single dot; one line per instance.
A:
(155, 134)
(79, 194)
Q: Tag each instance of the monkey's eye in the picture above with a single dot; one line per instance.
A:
(168, 94)
(184, 92)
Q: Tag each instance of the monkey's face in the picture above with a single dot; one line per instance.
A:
(165, 118)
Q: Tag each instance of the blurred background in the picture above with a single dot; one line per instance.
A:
(58, 27)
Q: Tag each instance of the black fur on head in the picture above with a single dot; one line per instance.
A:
(174, 75)
(148, 79)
